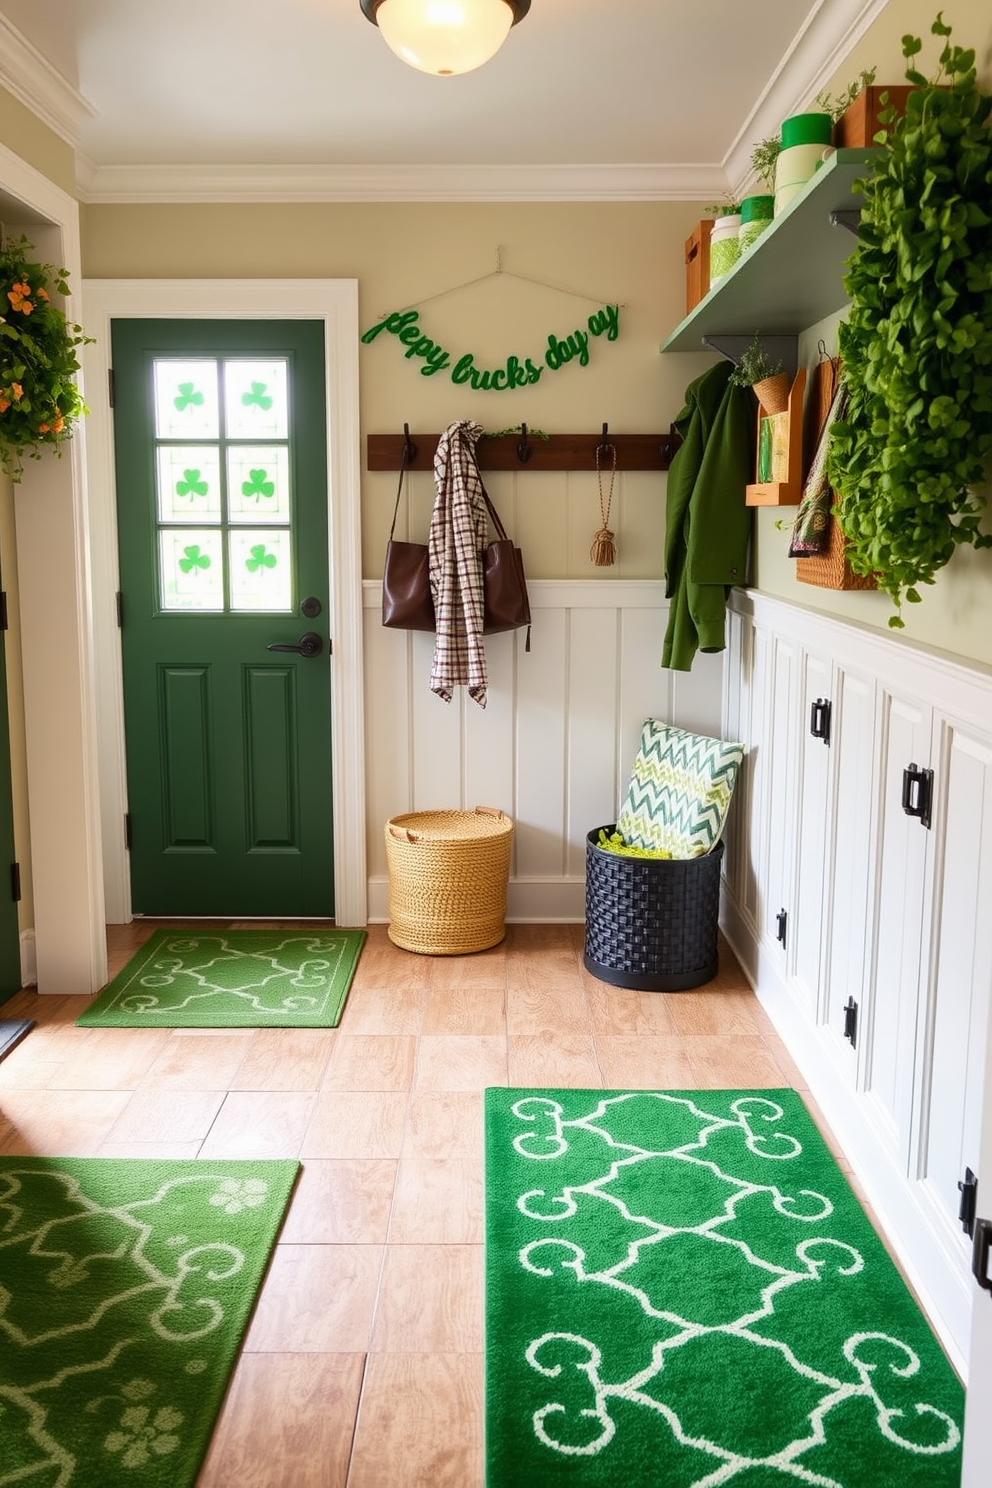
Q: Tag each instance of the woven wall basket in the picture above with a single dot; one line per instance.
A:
(830, 569)
(448, 872)
(651, 923)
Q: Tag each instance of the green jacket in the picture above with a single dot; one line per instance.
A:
(707, 522)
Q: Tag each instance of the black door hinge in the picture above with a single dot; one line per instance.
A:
(781, 926)
(819, 719)
(111, 387)
(127, 830)
(967, 1209)
(851, 1021)
(917, 793)
(15, 882)
(980, 1253)
(119, 599)
(4, 623)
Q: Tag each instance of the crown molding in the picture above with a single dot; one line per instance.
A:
(33, 81)
(399, 183)
(830, 34)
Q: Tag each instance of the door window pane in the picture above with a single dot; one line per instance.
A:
(256, 404)
(260, 570)
(186, 399)
(188, 483)
(258, 483)
(191, 567)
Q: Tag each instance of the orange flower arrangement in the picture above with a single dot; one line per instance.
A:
(39, 396)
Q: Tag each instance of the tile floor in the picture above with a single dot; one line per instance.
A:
(362, 1367)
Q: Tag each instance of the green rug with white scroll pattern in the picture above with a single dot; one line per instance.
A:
(125, 1290)
(681, 1289)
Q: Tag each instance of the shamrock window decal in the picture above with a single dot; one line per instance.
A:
(194, 559)
(192, 484)
(257, 485)
(260, 558)
(188, 397)
(257, 396)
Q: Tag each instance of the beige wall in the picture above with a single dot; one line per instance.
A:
(34, 142)
(15, 700)
(404, 255)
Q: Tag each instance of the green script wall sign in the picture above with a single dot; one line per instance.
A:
(515, 372)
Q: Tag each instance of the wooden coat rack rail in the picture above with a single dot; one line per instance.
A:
(527, 451)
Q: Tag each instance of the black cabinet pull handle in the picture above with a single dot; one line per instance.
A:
(917, 793)
(308, 645)
(819, 719)
(980, 1253)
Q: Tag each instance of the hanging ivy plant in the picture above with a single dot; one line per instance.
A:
(917, 344)
(39, 398)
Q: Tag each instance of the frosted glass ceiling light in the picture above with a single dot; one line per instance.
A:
(445, 36)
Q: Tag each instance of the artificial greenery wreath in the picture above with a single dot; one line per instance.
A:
(916, 348)
(39, 398)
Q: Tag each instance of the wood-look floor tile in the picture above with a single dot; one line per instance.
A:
(444, 1123)
(343, 1201)
(466, 1009)
(200, 1060)
(454, 1061)
(430, 1300)
(423, 1411)
(393, 1009)
(568, 1060)
(645, 1063)
(371, 1061)
(738, 1063)
(47, 1009)
(437, 1201)
(167, 1116)
(59, 1123)
(287, 1422)
(348, 1123)
(260, 1123)
(704, 1012)
(112, 1059)
(618, 1010)
(316, 1299)
(543, 969)
(483, 969)
(791, 1072)
(551, 1009)
(285, 1059)
(174, 1151)
(28, 1074)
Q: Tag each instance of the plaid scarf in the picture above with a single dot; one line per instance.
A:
(456, 544)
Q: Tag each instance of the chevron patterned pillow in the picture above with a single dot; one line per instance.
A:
(679, 791)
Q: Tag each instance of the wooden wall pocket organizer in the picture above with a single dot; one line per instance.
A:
(779, 459)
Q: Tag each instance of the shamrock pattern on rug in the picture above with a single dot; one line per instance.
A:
(125, 1290)
(683, 1289)
(232, 978)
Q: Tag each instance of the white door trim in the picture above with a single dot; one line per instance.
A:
(335, 302)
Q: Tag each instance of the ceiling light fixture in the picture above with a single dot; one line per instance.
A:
(445, 37)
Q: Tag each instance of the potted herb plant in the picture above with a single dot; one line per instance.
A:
(756, 369)
(909, 458)
(39, 397)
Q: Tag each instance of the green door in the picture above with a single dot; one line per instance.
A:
(219, 431)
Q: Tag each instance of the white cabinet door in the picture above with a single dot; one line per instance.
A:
(778, 780)
(846, 916)
(957, 1006)
(807, 900)
(898, 941)
(978, 1417)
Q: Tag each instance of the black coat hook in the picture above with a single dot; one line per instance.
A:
(604, 448)
(524, 450)
(409, 448)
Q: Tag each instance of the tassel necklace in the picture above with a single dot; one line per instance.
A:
(604, 549)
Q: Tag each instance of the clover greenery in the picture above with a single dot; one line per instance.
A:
(908, 457)
(39, 397)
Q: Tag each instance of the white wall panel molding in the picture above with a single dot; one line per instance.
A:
(555, 743)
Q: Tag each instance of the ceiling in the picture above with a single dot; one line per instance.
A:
(653, 95)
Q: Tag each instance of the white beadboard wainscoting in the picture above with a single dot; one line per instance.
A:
(554, 745)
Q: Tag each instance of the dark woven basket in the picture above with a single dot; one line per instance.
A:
(651, 923)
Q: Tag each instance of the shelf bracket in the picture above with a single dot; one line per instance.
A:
(851, 219)
(783, 349)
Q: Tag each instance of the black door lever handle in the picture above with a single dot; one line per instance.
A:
(308, 645)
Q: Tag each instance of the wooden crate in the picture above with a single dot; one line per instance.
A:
(789, 491)
(858, 125)
(697, 264)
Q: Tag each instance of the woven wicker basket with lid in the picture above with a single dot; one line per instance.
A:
(448, 872)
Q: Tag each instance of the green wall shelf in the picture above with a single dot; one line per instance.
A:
(793, 276)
